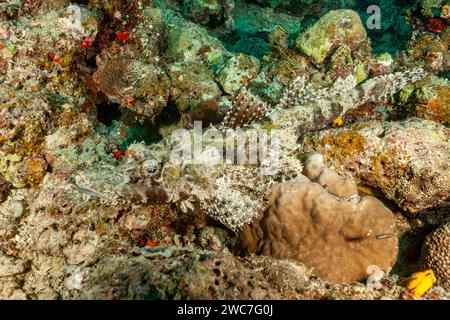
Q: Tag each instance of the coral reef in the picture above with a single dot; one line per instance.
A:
(427, 99)
(336, 27)
(140, 87)
(407, 160)
(194, 91)
(216, 276)
(324, 223)
(139, 139)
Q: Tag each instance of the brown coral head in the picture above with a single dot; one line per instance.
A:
(206, 112)
(339, 238)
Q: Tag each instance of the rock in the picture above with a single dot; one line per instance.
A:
(237, 72)
(5, 187)
(381, 64)
(309, 220)
(429, 52)
(33, 171)
(196, 275)
(436, 254)
(204, 12)
(214, 239)
(24, 127)
(194, 90)
(344, 64)
(138, 86)
(83, 248)
(332, 30)
(135, 225)
(428, 99)
(409, 160)
(150, 32)
(10, 266)
(189, 42)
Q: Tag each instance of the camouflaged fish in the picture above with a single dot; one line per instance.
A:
(344, 95)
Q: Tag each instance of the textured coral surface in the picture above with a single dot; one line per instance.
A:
(324, 223)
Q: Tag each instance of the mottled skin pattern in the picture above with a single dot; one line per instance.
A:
(236, 211)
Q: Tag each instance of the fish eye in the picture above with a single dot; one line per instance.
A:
(149, 168)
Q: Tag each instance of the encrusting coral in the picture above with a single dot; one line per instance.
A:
(408, 161)
(321, 221)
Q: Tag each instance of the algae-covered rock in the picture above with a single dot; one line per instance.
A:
(150, 32)
(136, 85)
(409, 160)
(215, 275)
(381, 64)
(190, 42)
(428, 99)
(335, 28)
(344, 64)
(237, 72)
(428, 51)
(206, 12)
(194, 90)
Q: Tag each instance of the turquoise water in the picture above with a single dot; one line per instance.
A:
(251, 31)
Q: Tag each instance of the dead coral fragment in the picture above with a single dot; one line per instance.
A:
(339, 237)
